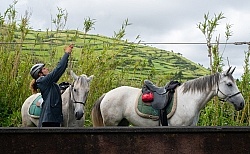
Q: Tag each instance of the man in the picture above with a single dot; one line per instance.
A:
(46, 82)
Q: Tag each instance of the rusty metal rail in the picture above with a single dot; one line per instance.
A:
(129, 140)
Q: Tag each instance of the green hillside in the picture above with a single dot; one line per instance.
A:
(158, 61)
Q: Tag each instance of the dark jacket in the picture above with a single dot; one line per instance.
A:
(52, 105)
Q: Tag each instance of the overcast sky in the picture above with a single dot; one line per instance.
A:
(169, 21)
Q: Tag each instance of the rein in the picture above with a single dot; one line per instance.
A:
(227, 97)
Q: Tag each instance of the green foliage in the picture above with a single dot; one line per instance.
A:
(88, 25)
(243, 116)
(216, 113)
(208, 27)
(61, 19)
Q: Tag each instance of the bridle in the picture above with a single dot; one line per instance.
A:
(71, 95)
(227, 97)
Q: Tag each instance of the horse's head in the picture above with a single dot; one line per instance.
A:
(227, 90)
(79, 92)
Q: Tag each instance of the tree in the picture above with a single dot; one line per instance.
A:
(208, 28)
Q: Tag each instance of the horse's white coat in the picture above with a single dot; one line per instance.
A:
(120, 103)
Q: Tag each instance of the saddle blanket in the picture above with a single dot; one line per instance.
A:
(35, 110)
(147, 111)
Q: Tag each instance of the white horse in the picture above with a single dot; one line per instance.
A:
(73, 101)
(118, 106)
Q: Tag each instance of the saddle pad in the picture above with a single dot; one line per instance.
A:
(147, 111)
(35, 110)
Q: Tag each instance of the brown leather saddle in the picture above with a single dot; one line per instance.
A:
(162, 96)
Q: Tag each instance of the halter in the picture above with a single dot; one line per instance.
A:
(71, 94)
(226, 96)
(73, 99)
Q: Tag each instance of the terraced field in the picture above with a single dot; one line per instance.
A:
(163, 63)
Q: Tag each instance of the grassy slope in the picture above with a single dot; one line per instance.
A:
(164, 62)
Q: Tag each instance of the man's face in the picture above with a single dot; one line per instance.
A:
(45, 71)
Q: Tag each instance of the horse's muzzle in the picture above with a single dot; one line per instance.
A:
(78, 115)
(240, 106)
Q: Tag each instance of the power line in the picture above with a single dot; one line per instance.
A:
(145, 43)
(26, 43)
(234, 43)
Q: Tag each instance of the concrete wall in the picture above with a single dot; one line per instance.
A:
(129, 140)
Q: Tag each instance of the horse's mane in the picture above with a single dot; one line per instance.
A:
(201, 84)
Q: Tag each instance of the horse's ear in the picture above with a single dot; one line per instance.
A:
(90, 78)
(232, 70)
(228, 71)
(73, 75)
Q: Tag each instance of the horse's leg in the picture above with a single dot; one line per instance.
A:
(110, 116)
(25, 121)
(195, 120)
(111, 113)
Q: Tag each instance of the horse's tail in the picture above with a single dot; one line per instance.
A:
(96, 115)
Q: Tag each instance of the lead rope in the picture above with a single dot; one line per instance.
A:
(70, 61)
(70, 69)
(69, 106)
